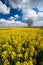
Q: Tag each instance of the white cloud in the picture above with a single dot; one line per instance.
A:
(12, 23)
(29, 13)
(16, 16)
(26, 6)
(40, 14)
(25, 3)
(19, 3)
(38, 23)
(40, 6)
(4, 9)
(11, 18)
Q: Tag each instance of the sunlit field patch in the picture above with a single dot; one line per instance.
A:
(21, 46)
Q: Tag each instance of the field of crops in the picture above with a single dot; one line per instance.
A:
(21, 46)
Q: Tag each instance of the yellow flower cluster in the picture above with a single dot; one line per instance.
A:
(21, 46)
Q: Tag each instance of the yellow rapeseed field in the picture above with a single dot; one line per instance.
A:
(21, 46)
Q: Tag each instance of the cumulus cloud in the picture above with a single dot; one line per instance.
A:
(15, 17)
(12, 23)
(24, 3)
(26, 6)
(40, 14)
(40, 6)
(29, 13)
(4, 9)
(38, 23)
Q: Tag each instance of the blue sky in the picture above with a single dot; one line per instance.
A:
(18, 12)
